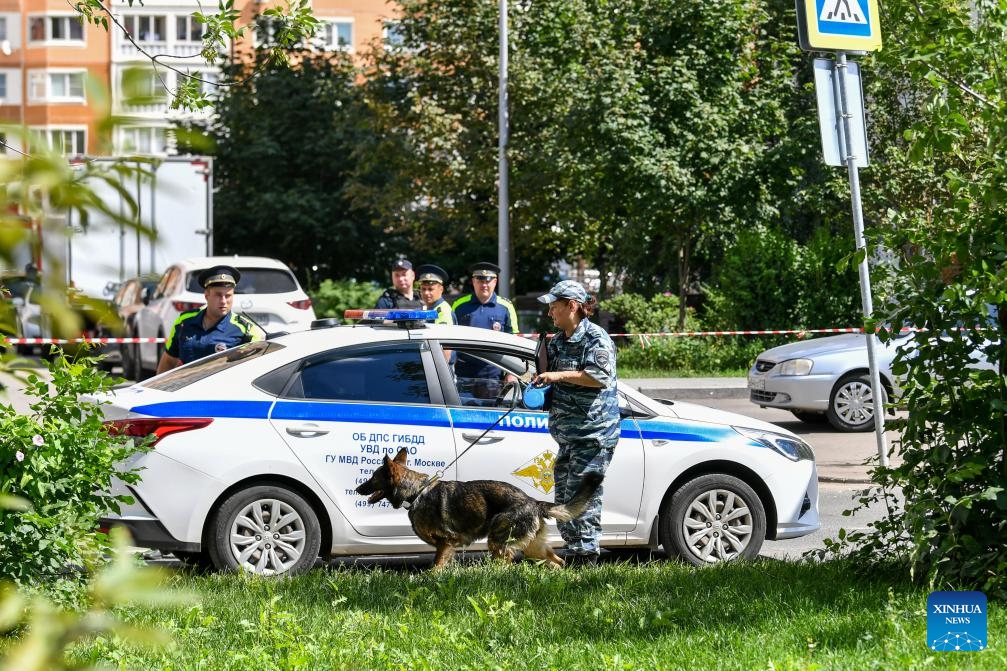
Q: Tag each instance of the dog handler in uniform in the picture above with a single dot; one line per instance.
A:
(214, 328)
(584, 413)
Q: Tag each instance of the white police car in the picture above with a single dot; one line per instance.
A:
(259, 450)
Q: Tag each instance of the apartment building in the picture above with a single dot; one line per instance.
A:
(63, 78)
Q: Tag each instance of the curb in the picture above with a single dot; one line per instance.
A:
(698, 394)
(840, 480)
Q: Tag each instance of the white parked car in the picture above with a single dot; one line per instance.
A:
(268, 293)
(261, 447)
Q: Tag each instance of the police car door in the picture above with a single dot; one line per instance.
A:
(344, 410)
(519, 449)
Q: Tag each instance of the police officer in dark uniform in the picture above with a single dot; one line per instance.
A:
(478, 381)
(400, 294)
(214, 328)
(483, 308)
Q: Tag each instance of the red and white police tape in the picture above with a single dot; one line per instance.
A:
(76, 341)
(800, 333)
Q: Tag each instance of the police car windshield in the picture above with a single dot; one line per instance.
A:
(179, 378)
(253, 281)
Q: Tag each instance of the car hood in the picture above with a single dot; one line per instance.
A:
(702, 413)
(816, 347)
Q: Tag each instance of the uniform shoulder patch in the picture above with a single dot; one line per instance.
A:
(603, 359)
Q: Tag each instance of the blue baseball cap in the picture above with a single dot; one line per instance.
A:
(567, 289)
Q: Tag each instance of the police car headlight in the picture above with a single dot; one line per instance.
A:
(791, 447)
(796, 367)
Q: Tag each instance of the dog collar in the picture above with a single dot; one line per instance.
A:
(430, 481)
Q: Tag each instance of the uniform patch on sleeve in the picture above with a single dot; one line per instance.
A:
(602, 358)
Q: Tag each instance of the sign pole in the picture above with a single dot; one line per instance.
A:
(865, 278)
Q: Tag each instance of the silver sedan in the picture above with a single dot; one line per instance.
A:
(825, 379)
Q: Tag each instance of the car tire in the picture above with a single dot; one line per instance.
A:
(712, 519)
(243, 535)
(810, 417)
(851, 404)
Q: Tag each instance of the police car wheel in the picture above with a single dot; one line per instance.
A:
(711, 519)
(266, 530)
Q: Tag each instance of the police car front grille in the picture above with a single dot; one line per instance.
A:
(758, 396)
(763, 366)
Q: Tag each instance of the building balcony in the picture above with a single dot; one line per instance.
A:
(125, 51)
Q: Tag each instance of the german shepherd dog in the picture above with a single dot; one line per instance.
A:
(453, 514)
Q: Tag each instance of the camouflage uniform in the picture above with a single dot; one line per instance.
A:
(584, 421)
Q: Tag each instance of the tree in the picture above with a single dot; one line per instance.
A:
(285, 148)
(642, 133)
(947, 216)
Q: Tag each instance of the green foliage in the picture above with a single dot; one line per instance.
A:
(684, 354)
(759, 282)
(767, 280)
(285, 149)
(332, 297)
(61, 461)
(660, 126)
(46, 631)
(947, 215)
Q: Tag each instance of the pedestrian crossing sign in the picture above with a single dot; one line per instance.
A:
(839, 25)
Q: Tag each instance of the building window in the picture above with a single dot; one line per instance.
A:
(3, 27)
(146, 28)
(142, 86)
(3, 86)
(142, 140)
(67, 141)
(392, 34)
(188, 29)
(336, 35)
(55, 29)
(47, 86)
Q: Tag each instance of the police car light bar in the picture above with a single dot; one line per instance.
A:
(391, 315)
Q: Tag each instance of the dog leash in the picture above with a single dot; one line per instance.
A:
(430, 480)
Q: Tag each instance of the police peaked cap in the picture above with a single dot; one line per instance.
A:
(219, 275)
(485, 268)
(428, 272)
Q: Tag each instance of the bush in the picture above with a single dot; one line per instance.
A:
(61, 461)
(333, 297)
(696, 354)
(757, 283)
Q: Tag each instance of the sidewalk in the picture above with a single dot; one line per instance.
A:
(691, 388)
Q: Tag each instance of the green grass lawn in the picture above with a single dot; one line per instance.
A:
(619, 615)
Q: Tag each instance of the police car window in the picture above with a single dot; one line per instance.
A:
(253, 281)
(178, 378)
(480, 374)
(385, 375)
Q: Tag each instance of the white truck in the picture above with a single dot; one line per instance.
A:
(174, 199)
(172, 219)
